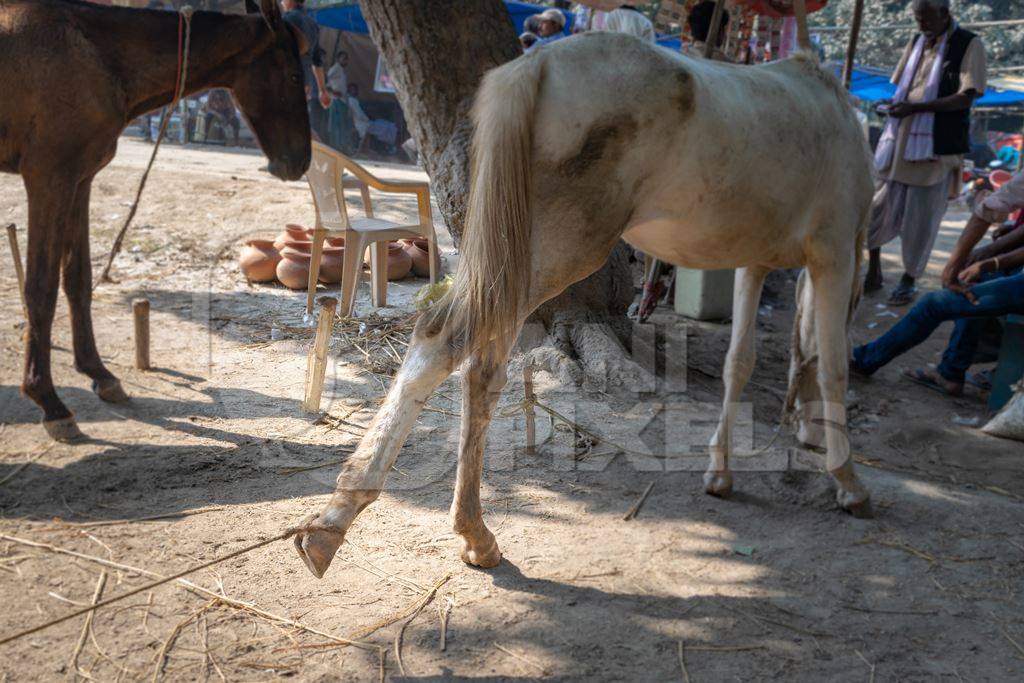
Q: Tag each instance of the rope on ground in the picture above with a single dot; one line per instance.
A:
(184, 24)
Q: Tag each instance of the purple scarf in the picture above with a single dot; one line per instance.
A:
(921, 144)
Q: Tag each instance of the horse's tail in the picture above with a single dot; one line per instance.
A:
(492, 280)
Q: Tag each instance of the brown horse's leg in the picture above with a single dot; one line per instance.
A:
(78, 289)
(48, 213)
(482, 381)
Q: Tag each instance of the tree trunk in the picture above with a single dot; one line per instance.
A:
(437, 53)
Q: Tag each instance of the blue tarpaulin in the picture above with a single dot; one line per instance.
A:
(872, 86)
(349, 18)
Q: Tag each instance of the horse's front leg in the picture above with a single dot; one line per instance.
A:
(48, 214)
(429, 360)
(78, 289)
(483, 379)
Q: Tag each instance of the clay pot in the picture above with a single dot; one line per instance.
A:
(293, 269)
(259, 260)
(418, 249)
(333, 260)
(399, 262)
(294, 233)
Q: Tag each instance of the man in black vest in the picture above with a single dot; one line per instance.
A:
(919, 156)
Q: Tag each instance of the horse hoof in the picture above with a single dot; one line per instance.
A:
(64, 430)
(110, 390)
(485, 556)
(718, 484)
(857, 505)
(317, 544)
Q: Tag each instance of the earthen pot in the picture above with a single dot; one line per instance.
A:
(293, 269)
(332, 261)
(259, 260)
(294, 233)
(418, 250)
(399, 262)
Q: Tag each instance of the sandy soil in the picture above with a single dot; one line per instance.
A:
(774, 583)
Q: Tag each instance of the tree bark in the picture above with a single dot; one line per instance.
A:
(437, 53)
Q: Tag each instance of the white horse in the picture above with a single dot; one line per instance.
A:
(705, 165)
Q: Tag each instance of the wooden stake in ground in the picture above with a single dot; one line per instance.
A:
(140, 311)
(531, 424)
(316, 366)
(19, 270)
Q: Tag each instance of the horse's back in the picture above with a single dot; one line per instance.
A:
(732, 164)
(53, 71)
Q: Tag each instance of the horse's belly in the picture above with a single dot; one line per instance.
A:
(709, 247)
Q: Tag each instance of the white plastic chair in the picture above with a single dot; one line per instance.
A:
(327, 183)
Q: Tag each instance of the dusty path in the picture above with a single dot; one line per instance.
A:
(772, 584)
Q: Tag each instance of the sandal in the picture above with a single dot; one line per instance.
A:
(902, 295)
(932, 380)
(981, 379)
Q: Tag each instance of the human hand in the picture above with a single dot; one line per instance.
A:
(951, 274)
(902, 109)
(963, 289)
(325, 99)
(1003, 230)
(971, 273)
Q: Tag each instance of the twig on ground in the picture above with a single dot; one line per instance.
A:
(871, 678)
(521, 658)
(871, 610)
(13, 473)
(682, 662)
(1009, 638)
(61, 525)
(444, 611)
(632, 513)
(161, 658)
(101, 582)
(188, 585)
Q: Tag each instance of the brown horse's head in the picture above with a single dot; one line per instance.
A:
(271, 94)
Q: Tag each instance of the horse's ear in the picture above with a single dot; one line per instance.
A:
(271, 11)
(251, 7)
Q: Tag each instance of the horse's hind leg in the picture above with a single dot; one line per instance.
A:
(48, 214)
(739, 365)
(78, 289)
(482, 381)
(831, 296)
(431, 357)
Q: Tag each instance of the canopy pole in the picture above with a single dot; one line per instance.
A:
(711, 42)
(851, 46)
(803, 37)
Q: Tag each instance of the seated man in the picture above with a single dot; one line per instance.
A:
(220, 107)
(977, 285)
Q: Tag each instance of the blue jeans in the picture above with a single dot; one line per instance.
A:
(997, 294)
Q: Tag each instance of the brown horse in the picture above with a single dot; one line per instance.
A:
(75, 74)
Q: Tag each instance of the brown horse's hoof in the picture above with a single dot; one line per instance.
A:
(64, 430)
(110, 390)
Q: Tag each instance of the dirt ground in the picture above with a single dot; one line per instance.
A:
(773, 583)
